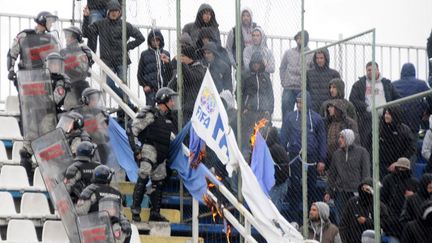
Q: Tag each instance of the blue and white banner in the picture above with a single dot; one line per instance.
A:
(210, 122)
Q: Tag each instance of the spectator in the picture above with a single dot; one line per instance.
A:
(206, 36)
(361, 96)
(337, 92)
(429, 53)
(427, 147)
(259, 41)
(109, 31)
(349, 167)
(258, 99)
(411, 209)
(193, 75)
(205, 18)
(219, 70)
(358, 215)
(407, 85)
(317, 149)
(395, 138)
(397, 186)
(98, 11)
(419, 230)
(247, 26)
(290, 72)
(368, 236)
(336, 121)
(317, 79)
(154, 71)
(320, 227)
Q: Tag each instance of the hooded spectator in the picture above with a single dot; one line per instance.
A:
(154, 71)
(419, 230)
(206, 36)
(427, 147)
(246, 35)
(358, 214)
(219, 70)
(320, 227)
(336, 90)
(396, 140)
(318, 78)
(411, 209)
(205, 18)
(408, 84)
(259, 40)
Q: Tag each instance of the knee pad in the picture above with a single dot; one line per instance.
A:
(145, 169)
(159, 173)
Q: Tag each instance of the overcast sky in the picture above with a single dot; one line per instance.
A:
(405, 22)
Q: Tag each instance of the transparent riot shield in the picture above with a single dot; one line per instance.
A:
(111, 206)
(54, 156)
(35, 48)
(38, 109)
(95, 228)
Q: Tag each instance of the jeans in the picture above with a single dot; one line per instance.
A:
(288, 100)
(119, 71)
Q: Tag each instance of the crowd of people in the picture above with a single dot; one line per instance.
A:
(339, 130)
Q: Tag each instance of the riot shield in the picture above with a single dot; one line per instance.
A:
(95, 228)
(76, 64)
(35, 48)
(54, 156)
(38, 109)
(111, 206)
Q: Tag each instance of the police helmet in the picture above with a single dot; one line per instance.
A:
(87, 92)
(43, 17)
(85, 151)
(76, 32)
(102, 174)
(54, 62)
(164, 94)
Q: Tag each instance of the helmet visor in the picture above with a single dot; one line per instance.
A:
(51, 23)
(69, 37)
(95, 100)
(174, 103)
(55, 65)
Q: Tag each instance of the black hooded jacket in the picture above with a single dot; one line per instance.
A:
(396, 140)
(193, 28)
(207, 32)
(148, 67)
(360, 206)
(258, 88)
(219, 69)
(317, 80)
(278, 154)
(411, 209)
(340, 86)
(110, 38)
(420, 230)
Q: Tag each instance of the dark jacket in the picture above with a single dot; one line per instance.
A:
(148, 67)
(291, 133)
(349, 107)
(408, 85)
(358, 98)
(219, 69)
(208, 32)
(317, 80)
(429, 53)
(396, 140)
(278, 154)
(193, 28)
(98, 4)
(420, 230)
(258, 88)
(360, 206)
(335, 124)
(411, 209)
(110, 38)
(393, 195)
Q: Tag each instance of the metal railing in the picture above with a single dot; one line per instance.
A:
(390, 58)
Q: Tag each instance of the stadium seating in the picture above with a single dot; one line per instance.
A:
(13, 178)
(11, 107)
(35, 205)
(9, 130)
(7, 206)
(54, 232)
(38, 182)
(21, 230)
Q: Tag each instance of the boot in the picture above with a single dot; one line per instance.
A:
(156, 201)
(137, 197)
(27, 163)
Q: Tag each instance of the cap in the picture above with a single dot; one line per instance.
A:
(403, 162)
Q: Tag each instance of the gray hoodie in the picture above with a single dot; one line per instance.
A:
(323, 231)
(267, 54)
(290, 68)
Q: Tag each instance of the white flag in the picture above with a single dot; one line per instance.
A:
(210, 122)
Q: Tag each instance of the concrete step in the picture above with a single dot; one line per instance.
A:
(173, 215)
(171, 239)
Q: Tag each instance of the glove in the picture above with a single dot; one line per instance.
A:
(126, 227)
(12, 76)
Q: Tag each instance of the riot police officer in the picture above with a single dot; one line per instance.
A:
(33, 45)
(78, 60)
(78, 175)
(54, 62)
(153, 127)
(95, 196)
(72, 124)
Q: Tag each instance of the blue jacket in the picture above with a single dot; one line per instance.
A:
(408, 85)
(291, 133)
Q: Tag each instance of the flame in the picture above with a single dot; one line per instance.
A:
(228, 233)
(261, 123)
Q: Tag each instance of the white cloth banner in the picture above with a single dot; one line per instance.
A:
(210, 122)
